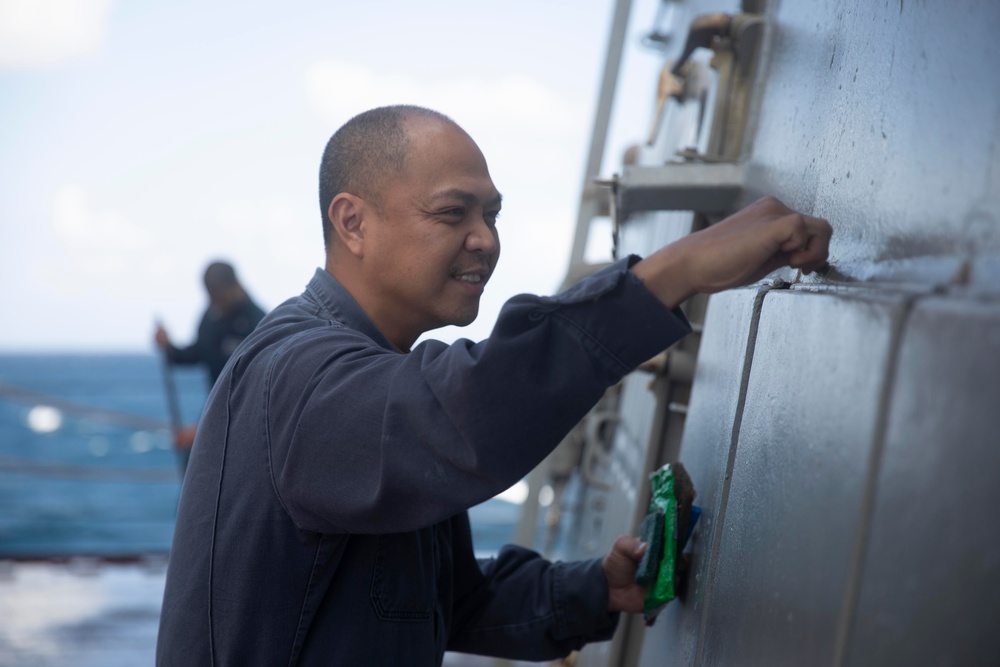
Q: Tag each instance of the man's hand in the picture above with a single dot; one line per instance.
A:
(160, 337)
(184, 437)
(740, 250)
(619, 569)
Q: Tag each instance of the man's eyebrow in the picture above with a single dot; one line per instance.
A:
(465, 197)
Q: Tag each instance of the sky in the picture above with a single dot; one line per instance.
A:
(141, 140)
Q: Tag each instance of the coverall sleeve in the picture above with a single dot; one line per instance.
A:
(522, 607)
(367, 440)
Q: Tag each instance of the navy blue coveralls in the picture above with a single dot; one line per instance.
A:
(322, 519)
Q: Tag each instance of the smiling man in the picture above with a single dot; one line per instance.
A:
(417, 245)
(323, 518)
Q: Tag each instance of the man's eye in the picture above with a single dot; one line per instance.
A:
(491, 216)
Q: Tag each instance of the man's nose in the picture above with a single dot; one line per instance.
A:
(482, 238)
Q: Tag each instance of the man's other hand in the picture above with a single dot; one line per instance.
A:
(619, 568)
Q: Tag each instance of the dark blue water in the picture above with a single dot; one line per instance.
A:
(74, 483)
(90, 470)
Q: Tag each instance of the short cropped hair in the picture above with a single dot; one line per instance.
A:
(366, 151)
(220, 274)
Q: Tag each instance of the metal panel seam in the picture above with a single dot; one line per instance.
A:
(855, 571)
(758, 306)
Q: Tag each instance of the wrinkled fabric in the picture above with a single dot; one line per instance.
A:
(323, 517)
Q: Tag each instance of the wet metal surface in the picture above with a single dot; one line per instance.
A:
(857, 526)
(708, 429)
(929, 590)
(884, 116)
(794, 507)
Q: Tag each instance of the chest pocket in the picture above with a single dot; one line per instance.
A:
(403, 580)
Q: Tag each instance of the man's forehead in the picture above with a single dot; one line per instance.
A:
(430, 135)
(492, 198)
(444, 163)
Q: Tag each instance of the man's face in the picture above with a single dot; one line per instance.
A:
(434, 245)
(225, 299)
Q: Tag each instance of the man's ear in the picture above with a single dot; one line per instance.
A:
(345, 214)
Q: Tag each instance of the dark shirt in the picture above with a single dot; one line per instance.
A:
(218, 337)
(322, 520)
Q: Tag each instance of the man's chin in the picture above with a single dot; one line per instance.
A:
(466, 320)
(463, 319)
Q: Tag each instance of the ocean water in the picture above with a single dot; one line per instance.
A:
(86, 463)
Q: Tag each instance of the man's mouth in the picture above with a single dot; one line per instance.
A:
(476, 276)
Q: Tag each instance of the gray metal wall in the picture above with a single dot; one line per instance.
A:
(850, 513)
(844, 432)
(884, 116)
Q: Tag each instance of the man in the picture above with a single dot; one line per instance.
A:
(323, 519)
(230, 317)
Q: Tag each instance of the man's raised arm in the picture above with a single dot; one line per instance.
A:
(739, 250)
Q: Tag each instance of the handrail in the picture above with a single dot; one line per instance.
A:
(145, 474)
(115, 417)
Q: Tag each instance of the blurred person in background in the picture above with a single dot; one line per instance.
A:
(229, 318)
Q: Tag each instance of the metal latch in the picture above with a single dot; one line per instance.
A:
(735, 39)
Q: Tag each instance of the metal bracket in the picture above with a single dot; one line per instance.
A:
(689, 186)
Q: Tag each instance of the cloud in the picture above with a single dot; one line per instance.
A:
(46, 32)
(336, 90)
(77, 225)
(269, 228)
(94, 252)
